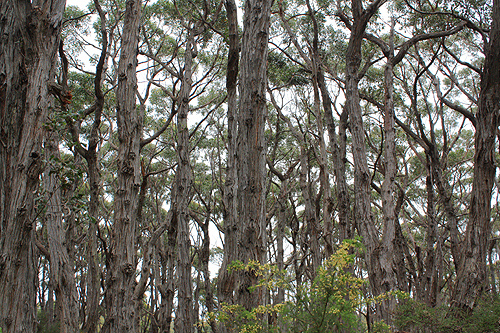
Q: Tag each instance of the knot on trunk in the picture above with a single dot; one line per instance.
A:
(127, 169)
(128, 268)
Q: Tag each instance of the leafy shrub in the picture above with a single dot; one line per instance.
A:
(43, 325)
(419, 318)
(328, 304)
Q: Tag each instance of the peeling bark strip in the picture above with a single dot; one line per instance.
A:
(29, 39)
(251, 146)
(120, 300)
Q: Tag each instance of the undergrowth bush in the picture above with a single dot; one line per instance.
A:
(330, 303)
(418, 317)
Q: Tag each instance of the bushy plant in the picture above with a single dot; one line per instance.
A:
(419, 318)
(43, 324)
(328, 304)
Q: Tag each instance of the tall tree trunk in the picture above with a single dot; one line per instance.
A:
(438, 176)
(472, 274)
(90, 317)
(387, 257)
(362, 176)
(226, 280)
(93, 281)
(318, 80)
(120, 300)
(280, 235)
(311, 237)
(167, 286)
(294, 225)
(28, 46)
(324, 173)
(62, 275)
(338, 147)
(70, 232)
(339, 152)
(426, 283)
(251, 147)
(205, 262)
(181, 196)
(91, 155)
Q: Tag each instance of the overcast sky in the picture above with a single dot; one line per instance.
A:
(80, 3)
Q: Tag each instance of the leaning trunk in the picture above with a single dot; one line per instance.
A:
(362, 176)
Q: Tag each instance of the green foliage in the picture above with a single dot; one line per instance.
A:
(419, 317)
(282, 72)
(43, 324)
(237, 318)
(328, 304)
(380, 327)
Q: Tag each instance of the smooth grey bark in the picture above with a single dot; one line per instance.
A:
(121, 314)
(251, 148)
(29, 39)
(472, 275)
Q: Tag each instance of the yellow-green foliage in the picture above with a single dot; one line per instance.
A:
(330, 303)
